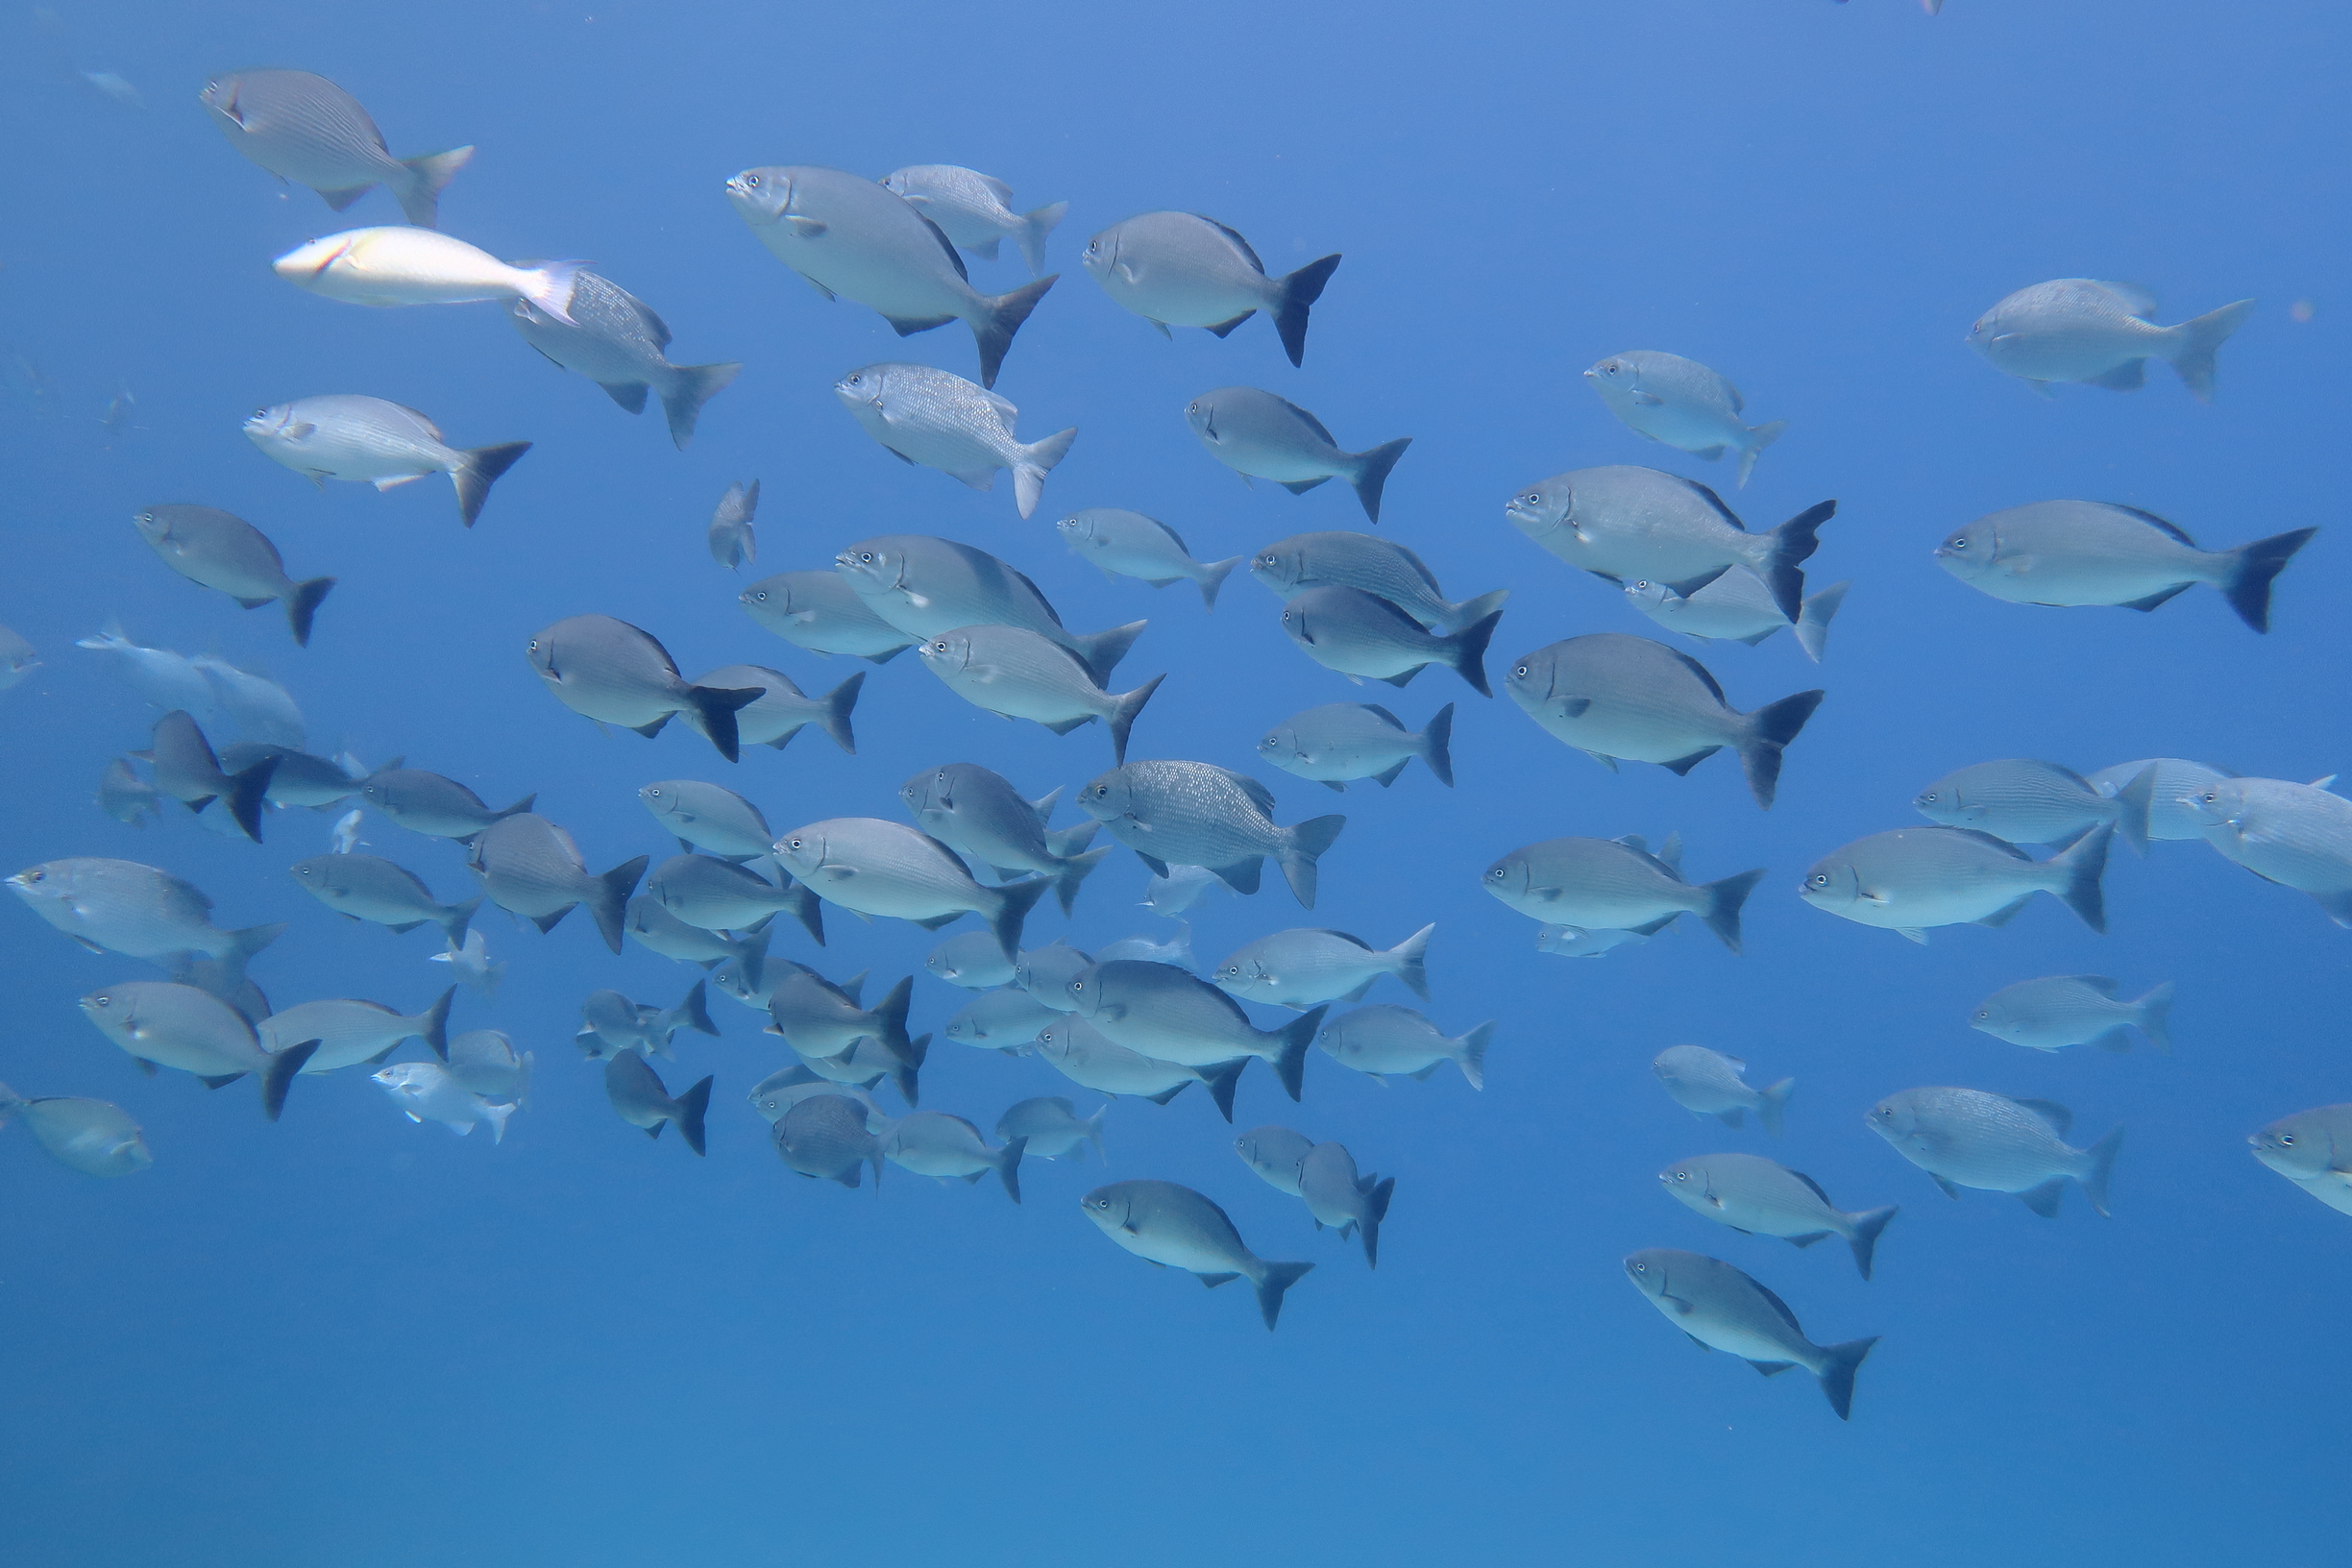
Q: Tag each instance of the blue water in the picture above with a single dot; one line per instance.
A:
(349, 1341)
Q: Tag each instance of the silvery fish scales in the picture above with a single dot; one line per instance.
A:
(348, 1031)
(1184, 270)
(93, 1137)
(2170, 781)
(1683, 404)
(937, 420)
(1275, 1154)
(1124, 543)
(531, 866)
(709, 817)
(1614, 884)
(370, 888)
(1724, 1309)
(1078, 1051)
(1917, 877)
(222, 551)
(1178, 1228)
(1259, 435)
(2083, 329)
(1967, 1137)
(1193, 814)
(1710, 1084)
(616, 674)
(972, 809)
(1172, 1016)
(2062, 1010)
(1301, 969)
(1759, 1197)
(924, 585)
(731, 539)
(820, 612)
(304, 127)
(1342, 1200)
(1379, 567)
(616, 340)
(976, 209)
(369, 441)
(880, 868)
(1384, 1040)
(1737, 607)
(2297, 835)
(1019, 675)
(124, 907)
(1361, 635)
(2024, 800)
(431, 804)
(1051, 1127)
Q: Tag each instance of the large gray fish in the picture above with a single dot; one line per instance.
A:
(1683, 404)
(1710, 1084)
(850, 236)
(1172, 1016)
(1177, 1228)
(429, 1092)
(2067, 553)
(166, 1024)
(530, 866)
(1275, 1154)
(161, 677)
(936, 1143)
(708, 817)
(611, 1022)
(2023, 800)
(639, 1097)
(222, 551)
(720, 895)
(2084, 329)
(304, 129)
(969, 808)
(924, 586)
(774, 1096)
(1614, 885)
(936, 419)
(1051, 1127)
(731, 539)
(432, 803)
(2297, 835)
(1722, 1309)
(616, 674)
(1967, 1137)
(1184, 270)
(1341, 742)
(820, 1019)
(297, 778)
(1360, 634)
(485, 1063)
(1384, 1040)
(1614, 697)
(820, 612)
(121, 906)
(972, 960)
(1339, 1198)
(186, 768)
(1917, 877)
(2170, 781)
(871, 867)
(1629, 524)
(655, 928)
(369, 441)
(1017, 673)
(349, 1030)
(1195, 814)
(976, 209)
(616, 340)
(1124, 543)
(370, 888)
(1084, 1055)
(1379, 567)
(1737, 607)
(782, 710)
(1000, 1021)
(1300, 969)
(2062, 1010)
(1258, 435)
(2314, 1150)
(1757, 1196)
(93, 1137)
(825, 1136)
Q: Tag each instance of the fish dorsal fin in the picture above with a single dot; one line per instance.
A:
(1374, 707)
(998, 189)
(1345, 936)
(1987, 839)
(1633, 840)
(1778, 1306)
(2099, 983)
(1815, 1186)
(421, 418)
(2139, 301)
(1259, 795)
(2060, 1119)
(1235, 235)
(2154, 521)
(955, 257)
(1428, 578)
(1026, 581)
(1717, 502)
(656, 328)
(1694, 668)
(1003, 407)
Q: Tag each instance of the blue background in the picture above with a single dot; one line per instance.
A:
(349, 1341)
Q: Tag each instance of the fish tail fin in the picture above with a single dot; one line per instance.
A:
(1371, 475)
(1303, 845)
(1100, 651)
(284, 1066)
(1035, 226)
(433, 1026)
(714, 714)
(1772, 1105)
(891, 1014)
(1074, 870)
(1014, 901)
(1438, 745)
(751, 954)
(2133, 803)
(1476, 609)
(2192, 345)
(1813, 618)
(498, 1115)
(809, 910)
(1032, 462)
(550, 288)
(905, 1077)
(1759, 436)
(520, 806)
(1221, 1080)
(1297, 292)
(1865, 1239)
(2078, 870)
(993, 332)
(1837, 1373)
(303, 603)
(1722, 912)
(1290, 1057)
(682, 400)
(1008, 1166)
(243, 945)
(1766, 735)
(2253, 568)
(454, 919)
(249, 793)
(608, 896)
(1123, 716)
(429, 174)
(1094, 1125)
(479, 471)
(1212, 577)
(691, 1106)
(1273, 1284)
(1411, 955)
(2101, 1158)
(694, 1010)
(2153, 1014)
(837, 705)
(1470, 1053)
(1376, 1209)
(1780, 557)
(1466, 651)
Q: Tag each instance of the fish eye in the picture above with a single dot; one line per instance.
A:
(1641, 1268)
(1819, 879)
(1532, 498)
(866, 555)
(1641, 584)
(1983, 1013)
(752, 181)
(760, 594)
(36, 876)
(1682, 1175)
(535, 646)
(793, 844)
(1192, 408)
(940, 647)
(1521, 673)
(2286, 1140)
(1957, 542)
(103, 999)
(855, 377)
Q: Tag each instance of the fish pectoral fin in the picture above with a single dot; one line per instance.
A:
(1696, 1340)
(1213, 1281)
(979, 479)
(1647, 400)
(1950, 1189)
(813, 282)
(1677, 1305)
(910, 326)
(807, 228)
(396, 481)
(1299, 487)
(1912, 933)
(1772, 1368)
(1570, 707)
(2043, 1200)
(1807, 1240)
(1604, 760)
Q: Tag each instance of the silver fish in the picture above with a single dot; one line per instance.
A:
(296, 778)
(1710, 1084)
(935, 1143)
(185, 770)
(427, 1092)
(2314, 1150)
(821, 1021)
(820, 612)
(1018, 675)
(484, 1062)
(731, 539)
(1738, 607)
(616, 340)
(222, 551)
(1379, 567)
(975, 211)
(1184, 270)
(2171, 780)
(370, 888)
(1681, 403)
(1301, 969)
(1722, 1309)
(1360, 634)
(639, 1097)
(1757, 1196)
(614, 672)
(1258, 435)
(1178, 950)
(1081, 1053)
(1195, 814)
(873, 867)
(1177, 1228)
(2062, 1010)
(708, 817)
(531, 866)
(1584, 941)
(1629, 524)
(432, 803)
(655, 927)
(348, 1031)
(1967, 1137)
(1917, 877)
(1045, 973)
(1051, 1128)
(2083, 329)
(825, 1136)
(610, 1022)
(978, 812)
(1339, 1198)
(369, 441)
(1275, 1154)
(2023, 800)
(774, 1096)
(166, 1024)
(1179, 888)
(1124, 543)
(1615, 885)
(1000, 1021)
(304, 129)
(2297, 835)
(1384, 1040)
(1341, 742)
(1171, 1016)
(924, 586)
(720, 895)
(971, 959)
(121, 906)
(935, 419)
(93, 1137)
(2067, 554)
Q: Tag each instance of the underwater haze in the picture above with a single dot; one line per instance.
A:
(350, 1339)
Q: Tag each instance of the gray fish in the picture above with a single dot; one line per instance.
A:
(870, 1060)
(1171, 893)
(935, 1143)
(484, 1062)
(871, 867)
(1124, 543)
(1195, 814)
(304, 129)
(530, 866)
(1080, 1052)
(1722, 1309)
(297, 778)
(221, 551)
(1045, 973)
(1615, 885)
(1584, 941)
(1917, 877)
(1258, 435)
(1967, 1137)
(820, 612)
(2297, 835)
(93, 1137)
(1681, 403)
(1710, 1084)
(616, 340)
(1000, 1021)
(821, 1021)
(1178, 950)
(1379, 567)
(976, 209)
(1339, 1198)
(639, 1098)
(369, 888)
(610, 1022)
(431, 804)
(185, 770)
(971, 959)
(369, 441)
(2021, 801)
(2067, 553)
(18, 658)
(2314, 1150)
(1299, 970)
(2062, 1010)
(1275, 1154)
(1177, 1228)
(470, 962)
(1360, 634)
(934, 419)
(1051, 1128)
(1341, 742)
(1018, 675)
(166, 1024)
(348, 1031)
(1626, 524)
(774, 1096)
(978, 812)
(2171, 780)
(121, 906)
(1757, 1196)
(1384, 1040)
(655, 927)
(732, 542)
(720, 895)
(2083, 329)
(825, 1136)
(261, 709)
(429, 1092)
(1614, 697)
(161, 677)
(124, 796)
(708, 817)
(1738, 607)
(1171, 1014)
(1184, 270)
(925, 586)
(850, 236)
(616, 674)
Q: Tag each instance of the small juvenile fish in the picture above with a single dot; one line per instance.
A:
(369, 441)
(1360, 634)
(972, 809)
(873, 867)
(2083, 329)
(782, 710)
(925, 585)
(639, 1098)
(1275, 1154)
(1000, 1021)
(2062, 1010)
(124, 907)
(1379, 567)
(616, 340)
(1177, 1228)
(304, 129)
(2171, 780)
(1709, 1083)
(2297, 835)
(975, 211)
(1384, 1040)
(470, 962)
(1193, 814)
(1724, 1310)
(370, 888)
(1917, 877)
(427, 1092)
(1181, 269)
(221, 551)
(1967, 1137)
(937, 420)
(400, 266)
(432, 803)
(1757, 1196)
(2314, 1150)
(1299, 970)
(1737, 607)
(346, 831)
(616, 674)
(1124, 543)
(732, 542)
(93, 1137)
(1051, 1127)
(1017, 673)
(1258, 435)
(826, 1136)
(1177, 951)
(485, 1062)
(1350, 1204)
(610, 1022)
(185, 770)
(1682, 404)
(1341, 742)
(531, 866)
(2067, 553)
(820, 612)
(935, 1143)
(1615, 885)
(2023, 800)
(347, 1031)
(972, 960)
(1078, 1051)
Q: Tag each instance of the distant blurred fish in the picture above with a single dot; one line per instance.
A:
(1275, 1154)
(304, 129)
(1709, 1083)
(1682, 404)
(979, 812)
(972, 960)
(1124, 543)
(618, 673)
(639, 1098)
(732, 542)
(124, 796)
(186, 769)
(826, 1136)
(1341, 742)
(473, 964)
(610, 1023)
(1301, 969)
(347, 832)
(1967, 1137)
(1000, 1021)
(221, 551)
(1178, 1228)
(1052, 1128)
(782, 710)
(93, 1137)
(936, 1143)
(1172, 891)
(1737, 607)
(976, 209)
(655, 928)
(432, 804)
(400, 266)
(1017, 673)
(160, 676)
(2314, 1150)
(2067, 554)
(1361, 635)
(1584, 941)
(873, 867)
(1339, 1197)
(427, 1092)
(1081, 1053)
(1914, 879)
(2170, 781)
(1259, 435)
(1181, 269)
(485, 1062)
(1724, 1310)
(939, 420)
(2082, 330)
(1176, 950)
(1045, 973)
(1384, 1040)
(820, 612)
(17, 658)
(1615, 885)
(369, 441)
(616, 340)
(2062, 1010)
(349, 1030)
(114, 89)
